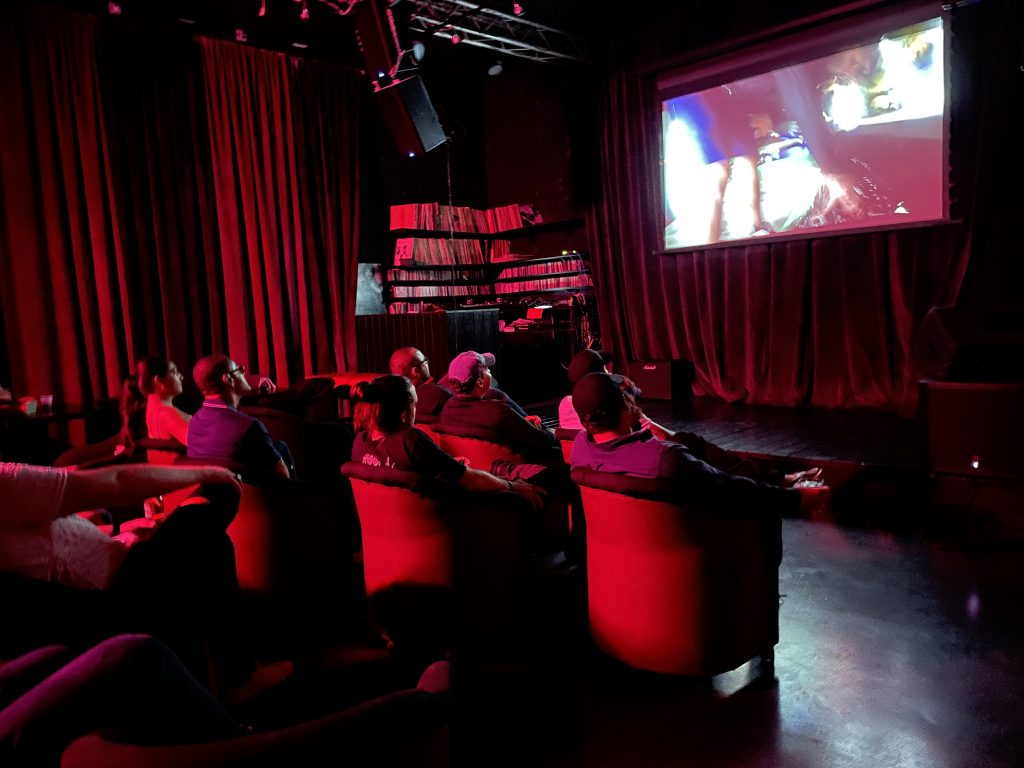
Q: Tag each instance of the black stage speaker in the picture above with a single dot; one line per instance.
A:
(662, 379)
(401, 95)
(975, 429)
(983, 344)
(410, 116)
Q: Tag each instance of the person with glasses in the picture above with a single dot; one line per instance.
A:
(220, 431)
(431, 396)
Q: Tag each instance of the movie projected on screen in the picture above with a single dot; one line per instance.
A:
(847, 141)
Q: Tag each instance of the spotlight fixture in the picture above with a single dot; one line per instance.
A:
(240, 36)
(495, 69)
(263, 8)
(419, 50)
(304, 15)
(517, 9)
(456, 38)
(114, 9)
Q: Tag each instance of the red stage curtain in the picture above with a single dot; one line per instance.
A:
(168, 195)
(828, 321)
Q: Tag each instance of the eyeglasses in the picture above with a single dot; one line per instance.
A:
(239, 370)
(424, 361)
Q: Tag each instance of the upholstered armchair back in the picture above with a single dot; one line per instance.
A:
(675, 587)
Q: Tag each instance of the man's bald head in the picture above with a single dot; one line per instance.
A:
(411, 363)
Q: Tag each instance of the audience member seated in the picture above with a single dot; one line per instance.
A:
(612, 443)
(583, 362)
(431, 397)
(495, 393)
(175, 577)
(130, 701)
(590, 361)
(470, 414)
(220, 431)
(385, 418)
(158, 381)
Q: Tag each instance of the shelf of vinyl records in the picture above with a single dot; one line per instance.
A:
(510, 221)
(492, 283)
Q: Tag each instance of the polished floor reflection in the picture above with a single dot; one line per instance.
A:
(895, 652)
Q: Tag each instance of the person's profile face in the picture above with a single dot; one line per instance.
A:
(235, 377)
(419, 369)
(170, 384)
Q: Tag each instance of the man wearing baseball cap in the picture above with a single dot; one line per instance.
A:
(609, 443)
(471, 414)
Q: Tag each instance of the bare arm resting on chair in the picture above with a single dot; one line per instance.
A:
(129, 484)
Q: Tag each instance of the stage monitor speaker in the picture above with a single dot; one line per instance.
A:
(975, 429)
(410, 116)
(662, 379)
(980, 344)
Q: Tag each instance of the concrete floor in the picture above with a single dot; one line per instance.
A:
(894, 652)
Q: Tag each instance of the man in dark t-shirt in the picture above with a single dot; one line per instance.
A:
(409, 450)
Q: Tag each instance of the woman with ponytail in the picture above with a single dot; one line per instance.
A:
(386, 436)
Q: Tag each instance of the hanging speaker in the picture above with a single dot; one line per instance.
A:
(402, 97)
(410, 116)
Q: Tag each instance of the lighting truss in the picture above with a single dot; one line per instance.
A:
(484, 27)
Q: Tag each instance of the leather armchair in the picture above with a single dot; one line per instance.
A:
(674, 587)
(440, 565)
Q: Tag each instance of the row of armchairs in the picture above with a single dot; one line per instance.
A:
(672, 587)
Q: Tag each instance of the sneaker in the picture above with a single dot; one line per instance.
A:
(265, 676)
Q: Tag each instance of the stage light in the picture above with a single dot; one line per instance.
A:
(419, 50)
(263, 8)
(517, 9)
(456, 38)
(495, 69)
(305, 11)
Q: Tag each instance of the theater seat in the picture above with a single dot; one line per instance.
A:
(480, 453)
(674, 587)
(566, 437)
(439, 565)
(318, 448)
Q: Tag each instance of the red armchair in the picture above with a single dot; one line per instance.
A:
(674, 587)
(480, 453)
(439, 565)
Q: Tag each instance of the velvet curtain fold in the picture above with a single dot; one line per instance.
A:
(165, 195)
(823, 321)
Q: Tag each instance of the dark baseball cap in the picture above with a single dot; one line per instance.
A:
(598, 397)
(587, 361)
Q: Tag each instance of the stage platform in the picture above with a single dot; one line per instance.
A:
(864, 437)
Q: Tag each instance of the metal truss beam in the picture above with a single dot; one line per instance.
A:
(486, 28)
